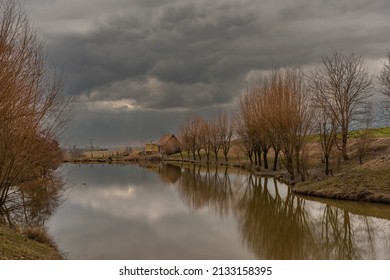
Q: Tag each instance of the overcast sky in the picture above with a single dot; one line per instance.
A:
(138, 66)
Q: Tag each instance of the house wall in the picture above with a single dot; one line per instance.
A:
(152, 148)
(172, 146)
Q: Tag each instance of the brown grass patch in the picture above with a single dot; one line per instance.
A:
(38, 234)
(15, 245)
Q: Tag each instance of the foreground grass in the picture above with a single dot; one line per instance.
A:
(17, 246)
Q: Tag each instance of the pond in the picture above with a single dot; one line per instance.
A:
(193, 212)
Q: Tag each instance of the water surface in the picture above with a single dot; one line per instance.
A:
(192, 212)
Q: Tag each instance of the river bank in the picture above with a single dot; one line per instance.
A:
(369, 182)
(32, 244)
(349, 180)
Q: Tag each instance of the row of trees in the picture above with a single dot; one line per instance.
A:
(212, 136)
(32, 114)
(280, 110)
(275, 113)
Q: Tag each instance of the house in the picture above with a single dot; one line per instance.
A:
(152, 148)
(169, 144)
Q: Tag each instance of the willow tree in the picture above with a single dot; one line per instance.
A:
(276, 112)
(226, 129)
(190, 134)
(32, 112)
(290, 122)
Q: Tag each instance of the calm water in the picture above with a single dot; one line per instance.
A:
(178, 212)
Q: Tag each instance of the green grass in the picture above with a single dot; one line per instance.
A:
(382, 132)
(376, 132)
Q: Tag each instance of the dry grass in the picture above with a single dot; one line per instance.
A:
(38, 234)
(17, 246)
(369, 181)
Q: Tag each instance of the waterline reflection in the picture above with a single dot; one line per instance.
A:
(203, 212)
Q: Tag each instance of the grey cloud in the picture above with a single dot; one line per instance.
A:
(193, 55)
(167, 49)
(120, 128)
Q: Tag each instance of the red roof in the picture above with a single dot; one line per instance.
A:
(165, 138)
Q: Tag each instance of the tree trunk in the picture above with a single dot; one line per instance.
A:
(344, 147)
(226, 157)
(290, 168)
(297, 161)
(326, 165)
(275, 167)
(265, 160)
(259, 157)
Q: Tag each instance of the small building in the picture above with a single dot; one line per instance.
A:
(152, 148)
(169, 144)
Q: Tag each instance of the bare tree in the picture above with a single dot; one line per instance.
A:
(183, 136)
(190, 135)
(275, 112)
(384, 76)
(205, 138)
(226, 128)
(32, 111)
(343, 85)
(384, 79)
(291, 122)
(364, 135)
(215, 136)
(245, 138)
(245, 126)
(326, 130)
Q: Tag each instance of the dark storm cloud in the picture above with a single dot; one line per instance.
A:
(180, 47)
(134, 57)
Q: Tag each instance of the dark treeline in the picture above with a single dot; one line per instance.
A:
(283, 109)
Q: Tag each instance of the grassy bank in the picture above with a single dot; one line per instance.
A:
(29, 244)
(350, 180)
(369, 181)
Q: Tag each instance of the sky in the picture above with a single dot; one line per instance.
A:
(137, 67)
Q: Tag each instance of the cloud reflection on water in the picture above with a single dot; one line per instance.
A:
(151, 223)
(192, 212)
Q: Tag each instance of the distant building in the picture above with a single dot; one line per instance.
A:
(152, 148)
(169, 144)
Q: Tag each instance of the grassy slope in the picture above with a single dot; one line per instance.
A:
(352, 181)
(362, 185)
(14, 246)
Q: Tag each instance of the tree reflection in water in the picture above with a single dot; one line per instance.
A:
(30, 204)
(339, 236)
(200, 187)
(274, 227)
(273, 222)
